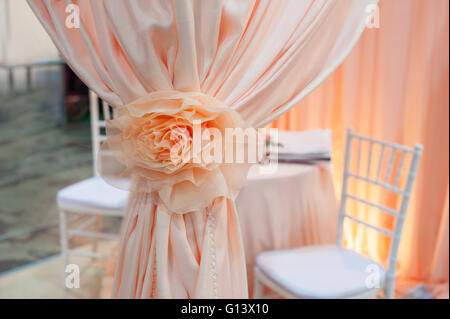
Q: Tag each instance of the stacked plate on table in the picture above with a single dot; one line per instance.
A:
(292, 157)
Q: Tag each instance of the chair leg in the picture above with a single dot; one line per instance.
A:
(98, 228)
(389, 289)
(64, 243)
(257, 286)
(28, 72)
(11, 79)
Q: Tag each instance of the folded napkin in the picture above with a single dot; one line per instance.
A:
(312, 145)
(306, 142)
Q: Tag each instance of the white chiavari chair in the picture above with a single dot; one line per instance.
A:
(90, 199)
(334, 271)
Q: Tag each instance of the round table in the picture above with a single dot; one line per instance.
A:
(292, 206)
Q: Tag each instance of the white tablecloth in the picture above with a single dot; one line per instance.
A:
(293, 206)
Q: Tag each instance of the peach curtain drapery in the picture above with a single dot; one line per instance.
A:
(257, 57)
(239, 52)
(394, 86)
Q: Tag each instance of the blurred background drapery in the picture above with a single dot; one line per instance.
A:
(394, 86)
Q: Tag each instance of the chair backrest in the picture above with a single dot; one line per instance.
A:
(387, 178)
(98, 126)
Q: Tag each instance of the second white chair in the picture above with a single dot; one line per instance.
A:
(334, 271)
(91, 198)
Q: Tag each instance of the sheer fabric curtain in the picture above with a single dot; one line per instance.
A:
(394, 86)
(258, 58)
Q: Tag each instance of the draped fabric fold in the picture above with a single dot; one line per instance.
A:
(195, 255)
(258, 58)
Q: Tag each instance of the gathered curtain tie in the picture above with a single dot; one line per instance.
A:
(153, 146)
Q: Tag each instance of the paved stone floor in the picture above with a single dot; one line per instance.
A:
(37, 158)
(45, 279)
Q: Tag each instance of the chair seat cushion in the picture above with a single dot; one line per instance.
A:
(321, 271)
(93, 192)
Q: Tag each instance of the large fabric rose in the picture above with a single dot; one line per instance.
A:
(151, 142)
